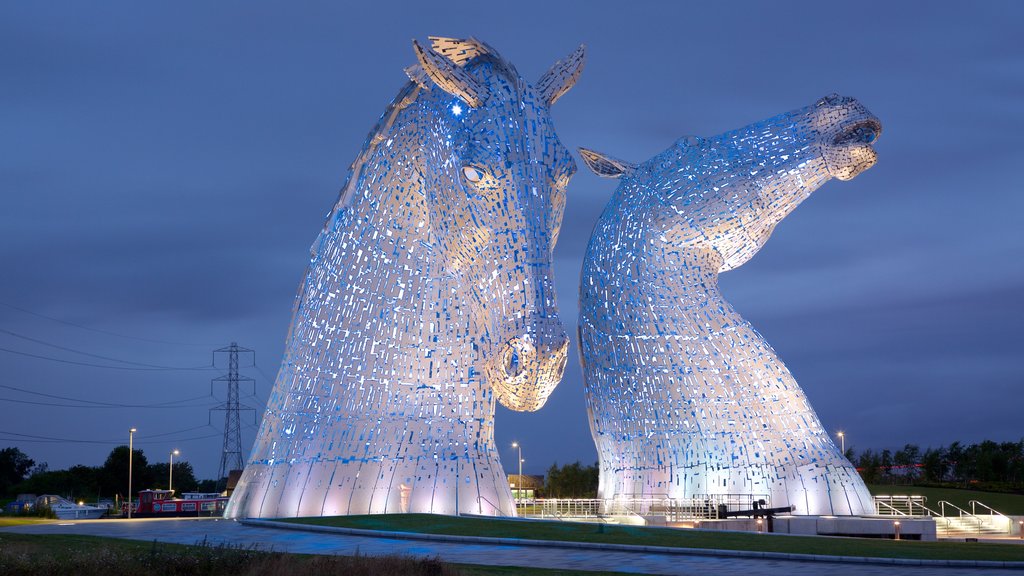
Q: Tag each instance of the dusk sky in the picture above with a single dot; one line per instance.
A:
(165, 168)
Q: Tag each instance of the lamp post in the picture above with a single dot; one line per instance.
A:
(842, 442)
(131, 448)
(170, 472)
(519, 447)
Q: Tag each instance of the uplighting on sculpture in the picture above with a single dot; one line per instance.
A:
(429, 296)
(685, 398)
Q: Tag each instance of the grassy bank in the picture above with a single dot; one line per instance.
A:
(648, 536)
(59, 555)
(21, 520)
(1012, 504)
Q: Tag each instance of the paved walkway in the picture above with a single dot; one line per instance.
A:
(216, 531)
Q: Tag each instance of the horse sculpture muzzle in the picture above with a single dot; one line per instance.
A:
(528, 366)
(848, 131)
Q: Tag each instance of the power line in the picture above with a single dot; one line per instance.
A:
(264, 374)
(110, 443)
(177, 431)
(97, 330)
(76, 363)
(59, 405)
(91, 355)
(103, 404)
(142, 440)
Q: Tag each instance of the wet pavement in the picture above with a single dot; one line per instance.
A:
(217, 531)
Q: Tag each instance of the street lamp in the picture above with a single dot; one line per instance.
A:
(131, 444)
(170, 472)
(842, 442)
(519, 447)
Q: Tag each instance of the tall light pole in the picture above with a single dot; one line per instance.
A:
(131, 448)
(170, 472)
(842, 442)
(519, 447)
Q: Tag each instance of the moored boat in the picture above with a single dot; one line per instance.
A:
(163, 504)
(65, 509)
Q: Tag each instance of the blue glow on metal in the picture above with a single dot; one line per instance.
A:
(686, 400)
(410, 313)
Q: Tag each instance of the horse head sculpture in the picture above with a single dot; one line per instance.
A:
(496, 218)
(429, 296)
(685, 397)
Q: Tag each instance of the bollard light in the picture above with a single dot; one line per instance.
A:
(759, 523)
(896, 527)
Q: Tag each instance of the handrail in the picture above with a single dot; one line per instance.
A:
(674, 509)
(911, 503)
(991, 511)
(484, 498)
(897, 511)
(962, 512)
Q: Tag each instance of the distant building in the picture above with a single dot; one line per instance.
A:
(526, 486)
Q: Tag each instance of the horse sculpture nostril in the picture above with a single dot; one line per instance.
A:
(560, 368)
(516, 357)
(513, 366)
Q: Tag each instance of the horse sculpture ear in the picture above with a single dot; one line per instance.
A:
(605, 166)
(449, 77)
(562, 76)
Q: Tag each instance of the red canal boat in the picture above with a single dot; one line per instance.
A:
(163, 504)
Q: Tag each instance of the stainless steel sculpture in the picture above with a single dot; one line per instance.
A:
(685, 398)
(429, 296)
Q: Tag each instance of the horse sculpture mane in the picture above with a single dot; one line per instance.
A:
(685, 398)
(429, 297)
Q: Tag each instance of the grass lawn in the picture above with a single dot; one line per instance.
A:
(650, 536)
(21, 520)
(1011, 504)
(59, 554)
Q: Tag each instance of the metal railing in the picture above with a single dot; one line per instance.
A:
(996, 522)
(950, 518)
(901, 505)
(991, 511)
(886, 509)
(496, 511)
(570, 507)
(965, 517)
(699, 507)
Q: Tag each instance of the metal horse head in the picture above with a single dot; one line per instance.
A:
(495, 207)
(685, 397)
(730, 191)
(429, 296)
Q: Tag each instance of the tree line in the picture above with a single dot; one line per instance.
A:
(571, 481)
(990, 465)
(19, 474)
(987, 465)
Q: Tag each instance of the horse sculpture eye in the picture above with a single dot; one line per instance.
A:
(472, 174)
